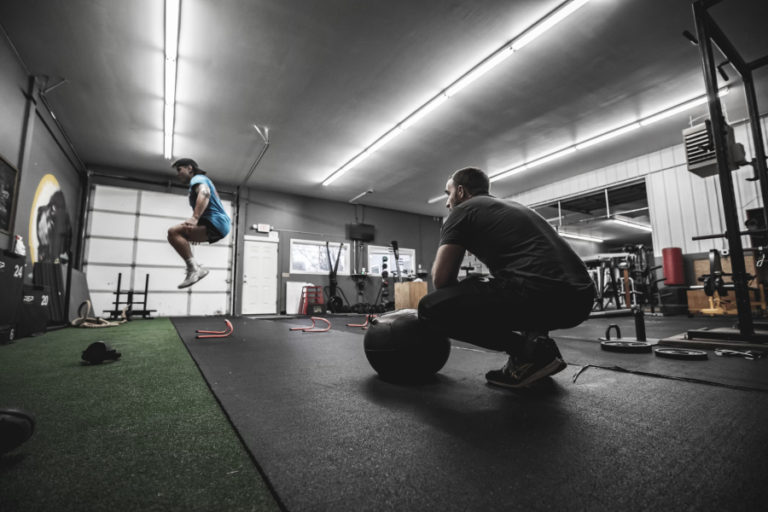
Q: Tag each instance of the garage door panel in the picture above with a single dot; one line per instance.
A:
(103, 250)
(169, 304)
(151, 254)
(158, 203)
(207, 254)
(113, 224)
(209, 304)
(104, 278)
(114, 198)
(155, 228)
(157, 254)
(101, 302)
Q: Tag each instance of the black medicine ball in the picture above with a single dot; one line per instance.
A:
(16, 426)
(400, 348)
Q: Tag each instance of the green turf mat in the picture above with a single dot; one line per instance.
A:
(142, 433)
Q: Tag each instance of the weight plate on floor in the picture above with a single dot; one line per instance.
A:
(681, 353)
(634, 347)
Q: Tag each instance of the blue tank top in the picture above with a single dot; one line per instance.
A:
(214, 212)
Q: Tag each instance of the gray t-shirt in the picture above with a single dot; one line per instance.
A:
(515, 243)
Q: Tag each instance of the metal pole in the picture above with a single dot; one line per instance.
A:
(746, 327)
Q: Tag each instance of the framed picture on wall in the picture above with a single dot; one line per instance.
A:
(9, 176)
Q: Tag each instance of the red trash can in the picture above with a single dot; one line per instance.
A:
(673, 265)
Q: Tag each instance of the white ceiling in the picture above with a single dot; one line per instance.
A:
(329, 77)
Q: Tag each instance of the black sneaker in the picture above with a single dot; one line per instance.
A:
(518, 373)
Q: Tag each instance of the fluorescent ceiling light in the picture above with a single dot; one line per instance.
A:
(479, 71)
(510, 172)
(172, 11)
(608, 135)
(682, 107)
(437, 198)
(394, 132)
(635, 225)
(532, 32)
(547, 23)
(423, 111)
(580, 237)
(552, 156)
(346, 167)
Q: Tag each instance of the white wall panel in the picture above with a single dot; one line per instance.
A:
(114, 198)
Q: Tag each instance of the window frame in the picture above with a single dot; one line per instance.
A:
(391, 267)
(344, 260)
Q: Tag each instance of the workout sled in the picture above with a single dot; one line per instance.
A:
(216, 334)
(311, 328)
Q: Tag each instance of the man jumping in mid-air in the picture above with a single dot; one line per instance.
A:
(209, 222)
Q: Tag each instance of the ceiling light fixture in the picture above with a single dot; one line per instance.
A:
(437, 198)
(658, 116)
(585, 238)
(632, 224)
(606, 136)
(172, 12)
(529, 34)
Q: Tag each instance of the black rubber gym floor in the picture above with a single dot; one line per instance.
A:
(330, 435)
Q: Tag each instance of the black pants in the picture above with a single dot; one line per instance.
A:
(487, 312)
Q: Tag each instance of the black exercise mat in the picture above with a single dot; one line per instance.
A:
(330, 435)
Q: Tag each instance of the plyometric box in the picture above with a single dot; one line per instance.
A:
(408, 295)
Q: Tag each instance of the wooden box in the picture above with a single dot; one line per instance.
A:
(408, 295)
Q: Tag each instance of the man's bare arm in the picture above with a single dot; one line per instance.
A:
(445, 271)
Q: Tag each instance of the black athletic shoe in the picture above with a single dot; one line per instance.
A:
(517, 373)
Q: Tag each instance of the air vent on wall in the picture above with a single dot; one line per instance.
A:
(700, 149)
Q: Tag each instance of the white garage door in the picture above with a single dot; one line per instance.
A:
(126, 234)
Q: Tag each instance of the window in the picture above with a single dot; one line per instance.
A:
(311, 257)
(376, 255)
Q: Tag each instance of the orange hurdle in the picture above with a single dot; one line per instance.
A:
(216, 334)
(368, 318)
(311, 328)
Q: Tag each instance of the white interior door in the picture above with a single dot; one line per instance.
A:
(260, 276)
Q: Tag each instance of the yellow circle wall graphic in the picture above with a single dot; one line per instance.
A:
(50, 230)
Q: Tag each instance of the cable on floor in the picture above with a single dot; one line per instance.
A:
(660, 376)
